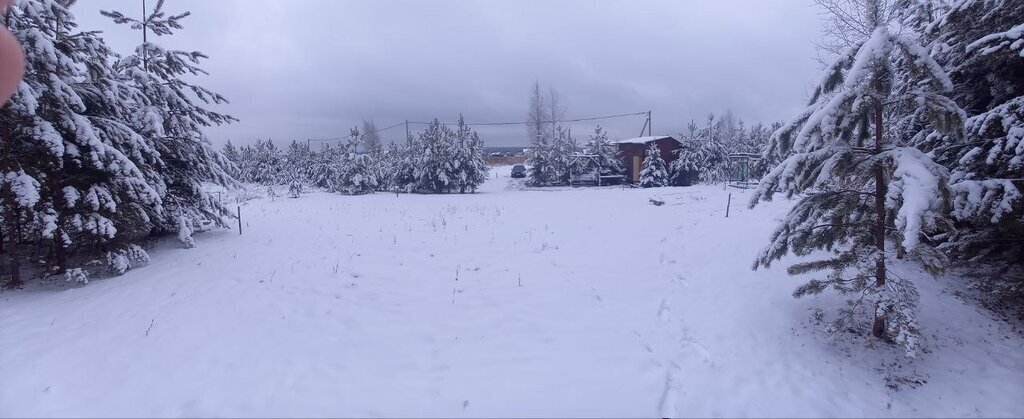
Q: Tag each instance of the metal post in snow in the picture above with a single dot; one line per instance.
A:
(727, 205)
(239, 220)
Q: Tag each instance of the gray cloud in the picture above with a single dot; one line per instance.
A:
(313, 68)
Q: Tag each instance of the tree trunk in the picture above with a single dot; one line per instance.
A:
(57, 196)
(878, 329)
(11, 249)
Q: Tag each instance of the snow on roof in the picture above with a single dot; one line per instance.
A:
(642, 140)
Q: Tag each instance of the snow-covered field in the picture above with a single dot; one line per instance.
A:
(510, 302)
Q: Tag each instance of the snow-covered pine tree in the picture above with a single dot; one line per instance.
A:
(606, 154)
(541, 164)
(246, 160)
(402, 169)
(867, 197)
(701, 159)
(354, 172)
(230, 152)
(981, 43)
(173, 118)
(470, 169)
(296, 181)
(564, 150)
(68, 152)
(296, 162)
(653, 174)
(109, 102)
(262, 163)
(434, 166)
(541, 169)
(323, 169)
(373, 147)
(19, 190)
(760, 137)
(371, 142)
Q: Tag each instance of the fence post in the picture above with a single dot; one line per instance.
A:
(727, 205)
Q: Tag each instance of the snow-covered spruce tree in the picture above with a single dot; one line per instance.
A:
(982, 44)
(67, 150)
(868, 198)
(607, 156)
(354, 172)
(434, 165)
(653, 174)
(172, 118)
(470, 169)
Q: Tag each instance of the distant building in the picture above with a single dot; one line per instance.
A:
(633, 150)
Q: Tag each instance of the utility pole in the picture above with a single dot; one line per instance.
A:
(407, 129)
(649, 123)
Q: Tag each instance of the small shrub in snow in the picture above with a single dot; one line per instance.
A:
(76, 275)
(185, 234)
(121, 260)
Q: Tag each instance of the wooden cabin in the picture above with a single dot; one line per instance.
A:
(633, 150)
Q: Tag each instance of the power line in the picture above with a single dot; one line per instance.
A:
(385, 129)
(343, 138)
(482, 124)
(543, 122)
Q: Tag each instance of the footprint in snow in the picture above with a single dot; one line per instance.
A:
(695, 343)
(664, 311)
(668, 408)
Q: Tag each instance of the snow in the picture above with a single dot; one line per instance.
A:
(641, 140)
(552, 302)
(917, 189)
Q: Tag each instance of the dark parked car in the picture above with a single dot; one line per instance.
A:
(518, 171)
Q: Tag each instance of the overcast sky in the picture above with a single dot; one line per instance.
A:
(300, 69)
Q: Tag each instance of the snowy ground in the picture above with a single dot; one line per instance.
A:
(584, 302)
